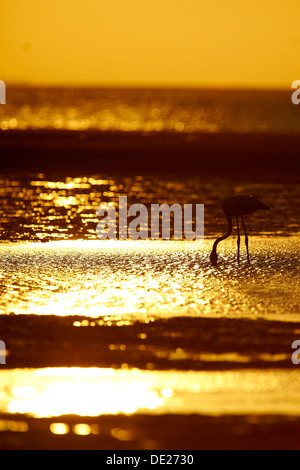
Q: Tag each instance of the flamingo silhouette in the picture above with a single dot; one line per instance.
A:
(237, 206)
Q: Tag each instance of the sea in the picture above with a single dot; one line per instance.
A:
(150, 110)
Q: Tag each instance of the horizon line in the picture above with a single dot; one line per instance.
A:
(147, 86)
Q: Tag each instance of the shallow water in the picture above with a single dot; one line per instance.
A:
(145, 279)
(41, 207)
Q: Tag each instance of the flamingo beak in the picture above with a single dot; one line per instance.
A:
(264, 207)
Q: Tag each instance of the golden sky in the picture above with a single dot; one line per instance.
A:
(217, 43)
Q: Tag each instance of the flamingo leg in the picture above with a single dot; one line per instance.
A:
(246, 239)
(238, 239)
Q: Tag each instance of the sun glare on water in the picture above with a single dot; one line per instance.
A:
(53, 392)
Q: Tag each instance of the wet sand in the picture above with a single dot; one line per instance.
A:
(169, 432)
(180, 343)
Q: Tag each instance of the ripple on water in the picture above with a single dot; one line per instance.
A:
(150, 278)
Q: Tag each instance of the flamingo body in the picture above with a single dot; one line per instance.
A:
(237, 206)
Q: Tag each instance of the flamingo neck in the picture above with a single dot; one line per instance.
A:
(228, 233)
